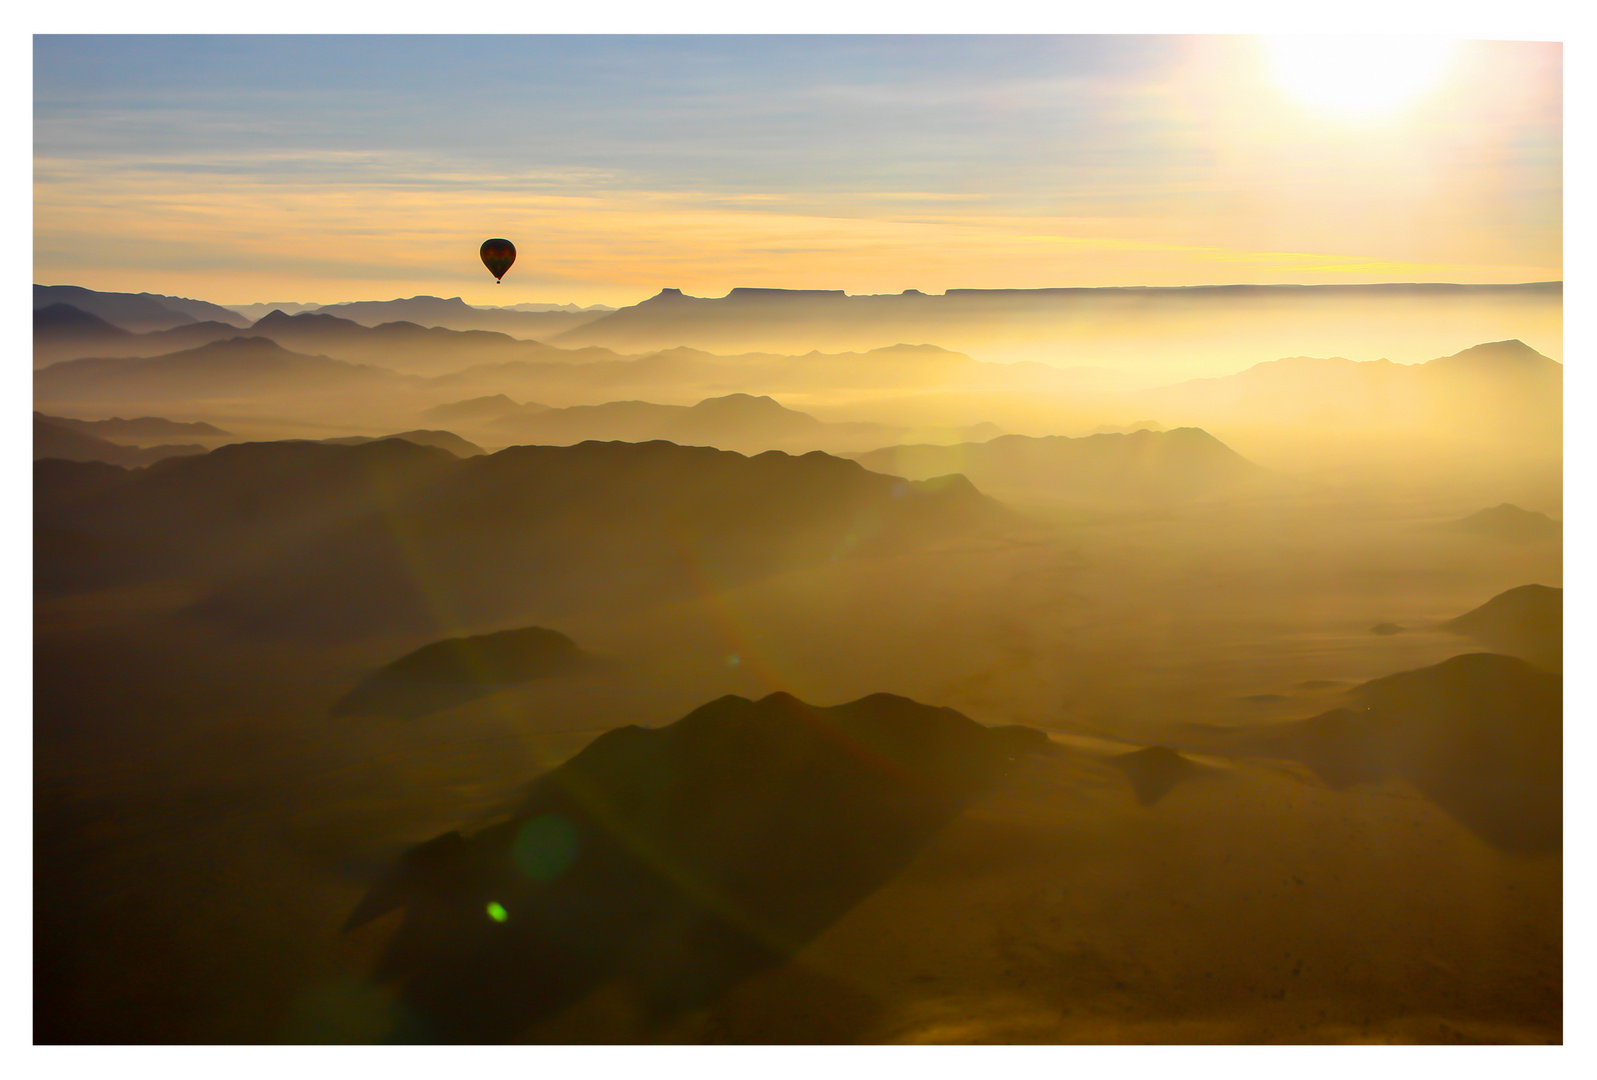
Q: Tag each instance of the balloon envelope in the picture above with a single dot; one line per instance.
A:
(497, 255)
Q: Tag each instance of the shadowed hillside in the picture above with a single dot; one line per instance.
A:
(446, 673)
(1481, 735)
(1527, 622)
(62, 332)
(53, 438)
(334, 539)
(219, 512)
(676, 862)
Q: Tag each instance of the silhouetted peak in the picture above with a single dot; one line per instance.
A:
(745, 405)
(1528, 592)
(1495, 353)
(305, 319)
(918, 350)
(1505, 522)
(62, 316)
(740, 398)
(1527, 621)
(236, 346)
(1153, 771)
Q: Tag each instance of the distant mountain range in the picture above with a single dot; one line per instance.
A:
(61, 333)
(1484, 401)
(141, 428)
(548, 307)
(1499, 401)
(55, 437)
(137, 312)
(1062, 321)
(444, 440)
(242, 367)
(1504, 379)
(303, 537)
(252, 312)
(253, 367)
(479, 410)
(145, 312)
(1158, 466)
(1138, 331)
(455, 314)
(497, 362)
(908, 369)
(741, 422)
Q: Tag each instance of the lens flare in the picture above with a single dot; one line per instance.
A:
(545, 846)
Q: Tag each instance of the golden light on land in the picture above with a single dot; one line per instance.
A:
(1358, 76)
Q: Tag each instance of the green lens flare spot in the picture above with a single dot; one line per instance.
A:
(497, 912)
(545, 846)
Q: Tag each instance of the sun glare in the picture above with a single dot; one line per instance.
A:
(1358, 76)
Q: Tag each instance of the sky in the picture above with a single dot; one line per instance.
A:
(244, 169)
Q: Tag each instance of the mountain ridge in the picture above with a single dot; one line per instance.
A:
(302, 537)
(1174, 465)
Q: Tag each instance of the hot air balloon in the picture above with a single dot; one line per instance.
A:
(497, 255)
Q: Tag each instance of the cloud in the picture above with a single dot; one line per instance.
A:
(866, 164)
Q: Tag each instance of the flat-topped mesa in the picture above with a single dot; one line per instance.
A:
(780, 295)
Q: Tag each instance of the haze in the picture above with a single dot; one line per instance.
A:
(934, 540)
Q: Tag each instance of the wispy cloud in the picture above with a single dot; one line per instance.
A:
(874, 164)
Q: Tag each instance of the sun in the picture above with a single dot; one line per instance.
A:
(1357, 77)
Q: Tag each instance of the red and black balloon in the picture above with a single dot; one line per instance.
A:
(497, 255)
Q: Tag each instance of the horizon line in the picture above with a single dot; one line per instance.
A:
(746, 289)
